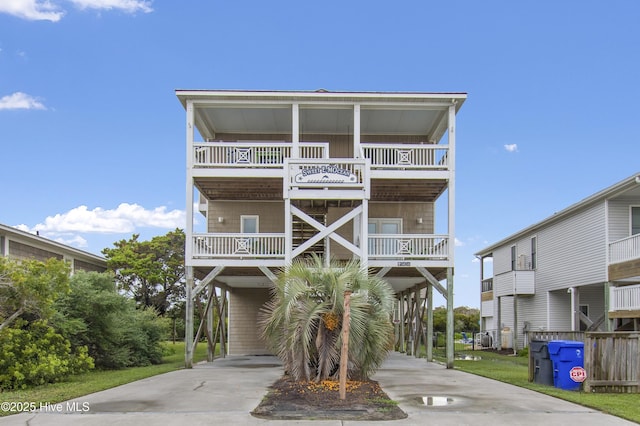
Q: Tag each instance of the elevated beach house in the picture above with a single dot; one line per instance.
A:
(278, 175)
(576, 270)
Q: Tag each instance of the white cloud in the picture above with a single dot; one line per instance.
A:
(73, 240)
(45, 10)
(458, 243)
(129, 6)
(126, 218)
(512, 147)
(32, 10)
(19, 100)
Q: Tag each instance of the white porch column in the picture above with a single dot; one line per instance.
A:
(575, 303)
(295, 131)
(451, 188)
(450, 328)
(403, 348)
(188, 249)
(364, 233)
(188, 323)
(429, 322)
(356, 131)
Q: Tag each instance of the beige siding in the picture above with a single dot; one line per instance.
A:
(23, 251)
(345, 231)
(244, 336)
(79, 265)
(409, 213)
(271, 215)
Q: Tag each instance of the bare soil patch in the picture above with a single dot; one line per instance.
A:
(289, 399)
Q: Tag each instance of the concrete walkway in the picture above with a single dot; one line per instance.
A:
(226, 391)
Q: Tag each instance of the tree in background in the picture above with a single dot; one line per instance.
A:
(29, 288)
(151, 272)
(116, 333)
(302, 322)
(31, 351)
(464, 319)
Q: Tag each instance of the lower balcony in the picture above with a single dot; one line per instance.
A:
(269, 249)
(624, 301)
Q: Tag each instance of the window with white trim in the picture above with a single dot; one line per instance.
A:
(249, 224)
(635, 220)
(384, 226)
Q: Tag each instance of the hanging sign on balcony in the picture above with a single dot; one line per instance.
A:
(325, 173)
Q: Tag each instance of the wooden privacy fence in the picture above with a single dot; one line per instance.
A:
(612, 362)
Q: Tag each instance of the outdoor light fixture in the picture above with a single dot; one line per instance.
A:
(419, 220)
(220, 219)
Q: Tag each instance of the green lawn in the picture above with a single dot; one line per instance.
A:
(95, 381)
(514, 370)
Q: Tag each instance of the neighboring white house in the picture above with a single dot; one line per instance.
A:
(282, 174)
(18, 244)
(576, 270)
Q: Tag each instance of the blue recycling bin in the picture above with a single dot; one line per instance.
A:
(567, 357)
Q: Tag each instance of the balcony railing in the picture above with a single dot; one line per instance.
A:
(238, 246)
(624, 298)
(625, 249)
(406, 156)
(487, 285)
(272, 245)
(252, 154)
(408, 246)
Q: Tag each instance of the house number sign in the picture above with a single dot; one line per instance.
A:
(325, 173)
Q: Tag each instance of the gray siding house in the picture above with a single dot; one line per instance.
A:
(577, 270)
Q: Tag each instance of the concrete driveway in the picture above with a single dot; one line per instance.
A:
(226, 391)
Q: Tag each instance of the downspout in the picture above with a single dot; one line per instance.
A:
(573, 309)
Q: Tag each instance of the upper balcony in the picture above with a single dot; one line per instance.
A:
(225, 170)
(384, 157)
(624, 258)
(625, 249)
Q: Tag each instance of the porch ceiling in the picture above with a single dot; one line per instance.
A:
(271, 189)
(320, 112)
(400, 279)
(336, 120)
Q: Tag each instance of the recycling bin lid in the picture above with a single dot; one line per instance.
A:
(555, 345)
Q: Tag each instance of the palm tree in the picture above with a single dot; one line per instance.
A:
(302, 322)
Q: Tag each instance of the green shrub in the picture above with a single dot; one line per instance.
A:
(36, 354)
(117, 334)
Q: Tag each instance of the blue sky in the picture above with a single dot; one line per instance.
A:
(92, 136)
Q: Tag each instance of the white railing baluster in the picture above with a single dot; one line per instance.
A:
(625, 249)
(406, 156)
(408, 246)
(230, 245)
(624, 298)
(252, 154)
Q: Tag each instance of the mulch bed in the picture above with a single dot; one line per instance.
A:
(292, 400)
